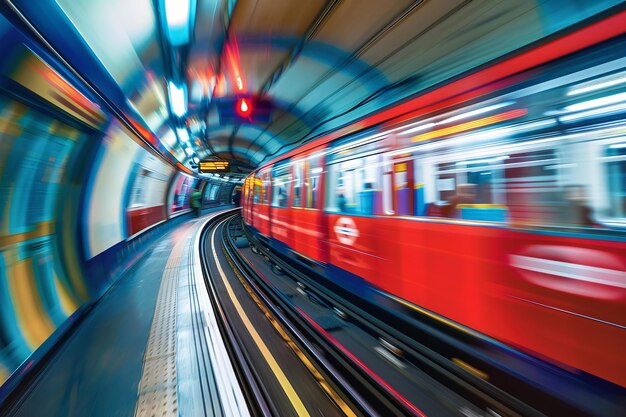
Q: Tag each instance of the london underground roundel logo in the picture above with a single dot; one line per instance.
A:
(346, 231)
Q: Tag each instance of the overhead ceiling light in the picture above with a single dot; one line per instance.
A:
(243, 107)
(183, 135)
(179, 20)
(178, 99)
(189, 151)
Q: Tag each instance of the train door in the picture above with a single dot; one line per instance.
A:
(309, 236)
(316, 181)
(403, 185)
(354, 204)
(298, 216)
(281, 197)
(250, 200)
(262, 201)
(245, 204)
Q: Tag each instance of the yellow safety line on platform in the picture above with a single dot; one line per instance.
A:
(293, 397)
(158, 393)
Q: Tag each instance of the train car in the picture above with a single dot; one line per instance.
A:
(261, 200)
(500, 205)
(246, 199)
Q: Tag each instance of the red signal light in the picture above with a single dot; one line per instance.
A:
(243, 107)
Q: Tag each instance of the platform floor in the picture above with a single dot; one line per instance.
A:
(138, 350)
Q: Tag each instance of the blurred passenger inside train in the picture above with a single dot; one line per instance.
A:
(366, 197)
(465, 195)
(282, 195)
(341, 201)
(296, 195)
(579, 212)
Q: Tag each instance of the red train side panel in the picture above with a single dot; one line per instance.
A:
(512, 285)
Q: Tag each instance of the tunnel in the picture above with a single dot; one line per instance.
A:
(313, 208)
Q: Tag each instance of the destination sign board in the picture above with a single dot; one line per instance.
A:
(211, 167)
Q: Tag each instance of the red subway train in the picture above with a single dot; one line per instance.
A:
(496, 201)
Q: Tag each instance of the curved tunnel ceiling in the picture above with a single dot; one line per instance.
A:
(322, 64)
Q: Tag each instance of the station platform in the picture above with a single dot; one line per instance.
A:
(150, 347)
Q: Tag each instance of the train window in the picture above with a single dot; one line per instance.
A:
(258, 190)
(297, 183)
(353, 185)
(265, 182)
(480, 174)
(281, 187)
(446, 181)
(465, 190)
(616, 167)
(387, 186)
(312, 181)
(533, 193)
(456, 194)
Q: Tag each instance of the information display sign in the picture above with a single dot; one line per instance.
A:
(212, 167)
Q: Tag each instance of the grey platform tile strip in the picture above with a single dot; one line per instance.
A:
(197, 388)
(158, 387)
(218, 375)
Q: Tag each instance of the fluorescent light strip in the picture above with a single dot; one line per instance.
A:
(426, 126)
(547, 85)
(503, 149)
(477, 137)
(598, 102)
(178, 101)
(484, 161)
(183, 135)
(471, 125)
(476, 112)
(418, 128)
(359, 142)
(592, 113)
(177, 13)
(599, 84)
